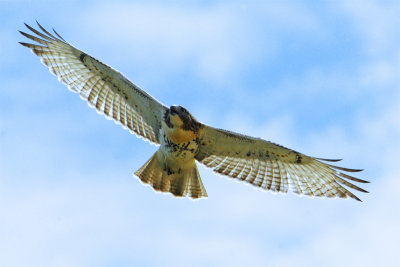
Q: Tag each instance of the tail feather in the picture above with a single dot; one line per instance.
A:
(186, 183)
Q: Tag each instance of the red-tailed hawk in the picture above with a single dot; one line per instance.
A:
(182, 138)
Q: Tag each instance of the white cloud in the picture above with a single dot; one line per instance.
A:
(369, 240)
(67, 190)
(216, 42)
(377, 22)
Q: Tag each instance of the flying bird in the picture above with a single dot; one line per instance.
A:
(182, 139)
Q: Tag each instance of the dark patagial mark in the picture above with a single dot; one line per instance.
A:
(82, 56)
(298, 158)
(262, 154)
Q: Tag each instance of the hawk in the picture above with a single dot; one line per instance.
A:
(182, 139)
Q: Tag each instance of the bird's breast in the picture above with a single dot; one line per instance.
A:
(178, 145)
(182, 136)
(178, 135)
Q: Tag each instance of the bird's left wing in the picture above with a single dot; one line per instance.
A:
(271, 166)
(101, 86)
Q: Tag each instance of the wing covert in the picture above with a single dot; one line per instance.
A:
(271, 166)
(104, 88)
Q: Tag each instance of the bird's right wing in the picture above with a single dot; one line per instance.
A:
(271, 166)
(101, 86)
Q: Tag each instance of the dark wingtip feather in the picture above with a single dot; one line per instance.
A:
(345, 169)
(344, 182)
(362, 190)
(45, 31)
(330, 160)
(40, 26)
(27, 25)
(354, 197)
(59, 36)
(353, 178)
(29, 45)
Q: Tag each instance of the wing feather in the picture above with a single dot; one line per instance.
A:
(273, 167)
(104, 88)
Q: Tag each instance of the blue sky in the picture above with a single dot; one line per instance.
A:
(321, 77)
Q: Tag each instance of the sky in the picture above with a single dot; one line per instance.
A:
(320, 77)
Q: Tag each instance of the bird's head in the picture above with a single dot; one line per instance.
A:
(179, 117)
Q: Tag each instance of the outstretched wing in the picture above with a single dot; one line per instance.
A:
(271, 166)
(101, 86)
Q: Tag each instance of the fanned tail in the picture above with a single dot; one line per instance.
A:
(185, 183)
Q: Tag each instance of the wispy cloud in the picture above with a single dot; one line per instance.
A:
(215, 41)
(376, 22)
(272, 70)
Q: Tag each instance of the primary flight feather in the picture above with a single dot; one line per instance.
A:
(182, 138)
